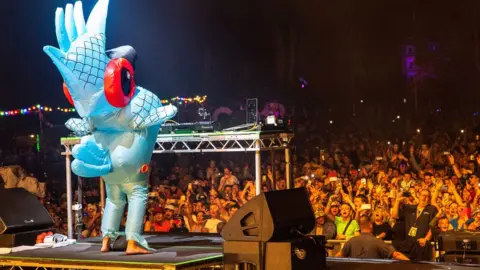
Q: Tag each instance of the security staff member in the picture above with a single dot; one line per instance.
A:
(417, 225)
(367, 246)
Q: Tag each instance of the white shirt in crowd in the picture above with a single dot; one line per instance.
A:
(211, 225)
(229, 181)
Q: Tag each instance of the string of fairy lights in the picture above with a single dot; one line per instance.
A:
(42, 108)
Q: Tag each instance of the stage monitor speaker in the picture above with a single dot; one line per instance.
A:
(459, 242)
(20, 211)
(272, 216)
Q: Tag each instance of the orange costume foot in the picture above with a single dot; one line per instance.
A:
(134, 248)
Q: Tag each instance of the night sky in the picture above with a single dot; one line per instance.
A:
(349, 49)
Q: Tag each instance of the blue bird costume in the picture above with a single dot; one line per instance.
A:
(119, 120)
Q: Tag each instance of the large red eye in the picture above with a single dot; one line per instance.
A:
(67, 94)
(119, 84)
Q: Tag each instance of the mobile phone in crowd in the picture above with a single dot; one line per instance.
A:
(366, 206)
(363, 181)
(333, 179)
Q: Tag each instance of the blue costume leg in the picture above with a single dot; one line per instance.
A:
(137, 194)
(114, 209)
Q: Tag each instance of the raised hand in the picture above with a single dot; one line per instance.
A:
(81, 57)
(451, 159)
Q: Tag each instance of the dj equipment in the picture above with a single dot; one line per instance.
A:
(186, 128)
(252, 111)
(22, 217)
(460, 247)
(271, 232)
(242, 127)
(280, 125)
(459, 242)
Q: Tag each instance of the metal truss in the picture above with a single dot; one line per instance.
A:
(216, 142)
(239, 141)
(222, 142)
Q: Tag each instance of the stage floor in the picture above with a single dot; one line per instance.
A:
(172, 252)
(173, 239)
(175, 251)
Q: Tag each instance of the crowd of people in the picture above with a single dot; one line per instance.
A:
(411, 189)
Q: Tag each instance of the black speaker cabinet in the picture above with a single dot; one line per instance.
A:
(20, 213)
(303, 253)
(272, 216)
(459, 242)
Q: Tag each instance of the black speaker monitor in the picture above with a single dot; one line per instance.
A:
(461, 242)
(272, 216)
(21, 211)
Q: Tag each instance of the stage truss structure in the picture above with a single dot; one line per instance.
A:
(215, 142)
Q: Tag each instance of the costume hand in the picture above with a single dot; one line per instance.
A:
(91, 160)
(81, 57)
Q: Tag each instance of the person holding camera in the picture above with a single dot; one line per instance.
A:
(417, 220)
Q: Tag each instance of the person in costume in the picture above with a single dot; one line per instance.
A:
(119, 120)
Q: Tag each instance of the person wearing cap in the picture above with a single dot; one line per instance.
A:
(345, 224)
(335, 209)
(169, 210)
(324, 226)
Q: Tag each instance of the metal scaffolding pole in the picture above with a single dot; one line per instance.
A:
(288, 176)
(69, 196)
(258, 169)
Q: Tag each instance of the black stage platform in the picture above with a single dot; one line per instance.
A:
(159, 240)
(175, 251)
(187, 251)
